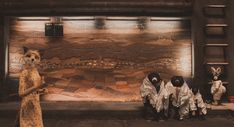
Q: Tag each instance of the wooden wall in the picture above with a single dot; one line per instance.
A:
(163, 44)
(2, 52)
(117, 48)
(198, 23)
(230, 21)
(198, 26)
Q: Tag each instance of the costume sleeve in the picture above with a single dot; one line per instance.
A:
(213, 89)
(145, 89)
(192, 103)
(184, 96)
(200, 101)
(23, 90)
(22, 84)
(223, 89)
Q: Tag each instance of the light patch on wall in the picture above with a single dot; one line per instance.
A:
(165, 26)
(33, 18)
(121, 27)
(169, 18)
(185, 64)
(78, 27)
(78, 18)
(30, 25)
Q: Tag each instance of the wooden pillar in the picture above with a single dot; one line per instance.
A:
(2, 57)
(230, 33)
(198, 22)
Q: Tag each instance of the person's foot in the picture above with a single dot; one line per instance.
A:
(202, 117)
(161, 119)
(148, 117)
(181, 118)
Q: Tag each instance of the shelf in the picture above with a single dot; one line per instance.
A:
(216, 6)
(217, 45)
(217, 63)
(216, 25)
(224, 83)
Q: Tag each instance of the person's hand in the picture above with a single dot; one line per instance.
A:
(43, 83)
(43, 91)
(42, 80)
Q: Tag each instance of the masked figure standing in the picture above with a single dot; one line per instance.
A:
(30, 83)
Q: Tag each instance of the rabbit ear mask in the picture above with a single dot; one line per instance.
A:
(213, 69)
(218, 70)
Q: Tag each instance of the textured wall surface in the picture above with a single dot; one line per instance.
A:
(118, 53)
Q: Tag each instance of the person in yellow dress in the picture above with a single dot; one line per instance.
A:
(30, 83)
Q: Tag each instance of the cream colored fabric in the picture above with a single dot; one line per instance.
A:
(196, 102)
(180, 97)
(158, 100)
(217, 90)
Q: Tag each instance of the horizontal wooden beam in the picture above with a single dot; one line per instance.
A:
(96, 7)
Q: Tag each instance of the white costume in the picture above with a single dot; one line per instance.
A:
(196, 102)
(180, 97)
(217, 90)
(159, 100)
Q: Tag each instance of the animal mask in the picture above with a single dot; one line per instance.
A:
(154, 78)
(216, 72)
(177, 81)
(31, 57)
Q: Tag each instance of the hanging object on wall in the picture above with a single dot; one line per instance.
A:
(142, 23)
(54, 28)
(100, 22)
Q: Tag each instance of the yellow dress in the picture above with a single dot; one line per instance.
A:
(30, 109)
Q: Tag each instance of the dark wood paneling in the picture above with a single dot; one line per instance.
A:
(2, 51)
(230, 40)
(97, 7)
(198, 23)
(2, 61)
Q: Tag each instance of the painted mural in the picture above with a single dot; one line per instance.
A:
(102, 60)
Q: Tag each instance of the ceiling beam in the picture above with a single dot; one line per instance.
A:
(96, 7)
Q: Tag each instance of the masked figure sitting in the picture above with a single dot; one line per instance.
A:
(154, 96)
(197, 105)
(180, 96)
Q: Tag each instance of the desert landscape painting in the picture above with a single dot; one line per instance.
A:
(102, 60)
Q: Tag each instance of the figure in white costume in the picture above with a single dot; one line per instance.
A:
(197, 105)
(154, 95)
(180, 96)
(217, 88)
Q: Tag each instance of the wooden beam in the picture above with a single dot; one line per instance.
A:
(2, 51)
(2, 58)
(96, 7)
